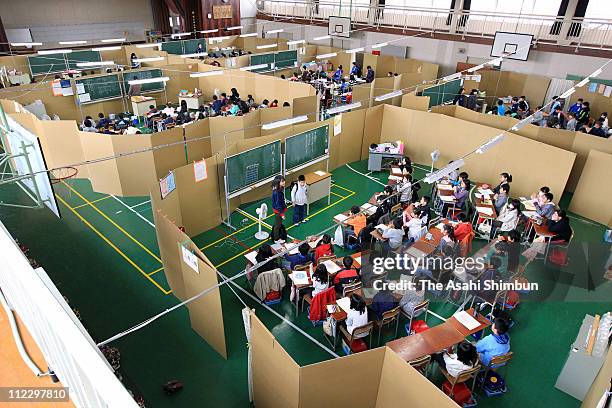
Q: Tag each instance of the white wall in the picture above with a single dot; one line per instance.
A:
(447, 53)
(57, 20)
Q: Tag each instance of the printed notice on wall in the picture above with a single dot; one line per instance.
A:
(337, 125)
(200, 171)
(608, 91)
(190, 259)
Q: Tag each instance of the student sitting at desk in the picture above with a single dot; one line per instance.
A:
(264, 253)
(102, 120)
(461, 193)
(338, 74)
(413, 226)
(344, 86)
(560, 225)
(448, 237)
(357, 315)
(86, 118)
(393, 235)
(382, 302)
(235, 96)
(504, 180)
(301, 258)
(546, 208)
(324, 247)
(369, 74)
(319, 280)
(216, 105)
(274, 103)
(355, 223)
(167, 120)
(465, 358)
(250, 100)
(501, 109)
(424, 206)
(496, 343)
(539, 196)
(508, 218)
(89, 127)
(264, 104)
(501, 198)
(404, 188)
(355, 70)
(463, 227)
(413, 297)
(346, 275)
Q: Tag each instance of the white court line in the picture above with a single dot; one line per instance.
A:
(137, 205)
(135, 212)
(364, 175)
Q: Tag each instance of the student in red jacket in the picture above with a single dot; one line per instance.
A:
(463, 228)
(324, 247)
(346, 275)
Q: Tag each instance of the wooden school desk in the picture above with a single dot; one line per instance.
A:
(193, 101)
(140, 104)
(484, 208)
(435, 339)
(319, 186)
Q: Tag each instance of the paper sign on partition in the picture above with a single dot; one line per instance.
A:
(337, 125)
(199, 170)
(190, 259)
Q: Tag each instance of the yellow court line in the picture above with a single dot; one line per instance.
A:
(338, 195)
(115, 224)
(155, 271)
(94, 201)
(344, 188)
(109, 242)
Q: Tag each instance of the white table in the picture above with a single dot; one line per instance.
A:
(193, 102)
(319, 186)
(140, 105)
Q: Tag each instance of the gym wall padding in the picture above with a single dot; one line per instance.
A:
(206, 312)
(400, 382)
(355, 380)
(593, 192)
(532, 164)
(200, 147)
(104, 176)
(199, 205)
(372, 128)
(276, 377)
(411, 101)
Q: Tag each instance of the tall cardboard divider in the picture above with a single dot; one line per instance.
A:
(61, 144)
(197, 137)
(372, 129)
(206, 312)
(168, 235)
(168, 157)
(225, 131)
(583, 144)
(307, 105)
(200, 205)
(136, 171)
(593, 193)
(399, 382)
(345, 147)
(104, 175)
(276, 377)
(382, 86)
(355, 379)
(270, 115)
(411, 101)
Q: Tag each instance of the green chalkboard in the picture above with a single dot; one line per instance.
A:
(144, 74)
(257, 59)
(75, 57)
(285, 59)
(248, 168)
(442, 93)
(47, 64)
(173, 47)
(191, 46)
(102, 87)
(306, 147)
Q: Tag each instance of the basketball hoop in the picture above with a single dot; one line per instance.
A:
(61, 174)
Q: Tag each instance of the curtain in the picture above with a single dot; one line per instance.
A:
(161, 17)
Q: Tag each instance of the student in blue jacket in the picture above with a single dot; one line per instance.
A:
(301, 258)
(278, 207)
(338, 74)
(496, 343)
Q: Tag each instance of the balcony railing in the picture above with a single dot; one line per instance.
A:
(577, 33)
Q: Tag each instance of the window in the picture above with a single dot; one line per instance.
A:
(599, 9)
(539, 7)
(426, 4)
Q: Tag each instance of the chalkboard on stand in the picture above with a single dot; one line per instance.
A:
(251, 167)
(306, 147)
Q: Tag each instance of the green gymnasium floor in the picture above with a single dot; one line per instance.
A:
(103, 256)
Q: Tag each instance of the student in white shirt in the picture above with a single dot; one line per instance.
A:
(357, 314)
(393, 235)
(88, 126)
(404, 188)
(319, 280)
(299, 197)
(508, 217)
(414, 226)
(465, 358)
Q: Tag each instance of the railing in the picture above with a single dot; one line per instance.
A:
(577, 33)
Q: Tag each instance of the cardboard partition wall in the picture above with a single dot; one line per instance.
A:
(197, 137)
(376, 378)
(382, 86)
(169, 150)
(411, 101)
(136, 172)
(499, 84)
(104, 175)
(275, 114)
(206, 312)
(372, 129)
(583, 144)
(226, 130)
(345, 146)
(531, 163)
(307, 105)
(593, 192)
